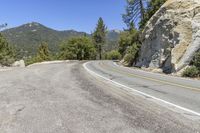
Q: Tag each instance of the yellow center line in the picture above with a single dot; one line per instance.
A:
(151, 79)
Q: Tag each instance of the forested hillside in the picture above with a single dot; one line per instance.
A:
(28, 37)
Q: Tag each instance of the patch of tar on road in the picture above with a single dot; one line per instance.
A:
(151, 88)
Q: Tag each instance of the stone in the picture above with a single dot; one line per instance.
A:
(171, 37)
(19, 64)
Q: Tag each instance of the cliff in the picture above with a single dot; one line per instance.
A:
(172, 36)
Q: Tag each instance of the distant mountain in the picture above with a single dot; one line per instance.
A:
(112, 40)
(113, 35)
(27, 37)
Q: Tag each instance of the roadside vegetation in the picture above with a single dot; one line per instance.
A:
(99, 37)
(112, 55)
(80, 48)
(138, 13)
(43, 54)
(77, 48)
(7, 53)
(129, 45)
(92, 47)
(193, 71)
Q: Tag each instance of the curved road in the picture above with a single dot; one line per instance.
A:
(69, 98)
(181, 92)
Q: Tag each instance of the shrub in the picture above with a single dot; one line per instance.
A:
(78, 48)
(131, 54)
(194, 70)
(127, 39)
(191, 72)
(196, 60)
(43, 53)
(7, 60)
(113, 55)
(7, 53)
(31, 60)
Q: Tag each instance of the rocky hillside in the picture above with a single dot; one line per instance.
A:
(27, 37)
(172, 36)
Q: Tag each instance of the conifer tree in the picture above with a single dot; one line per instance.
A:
(140, 11)
(7, 53)
(99, 36)
(135, 10)
(43, 52)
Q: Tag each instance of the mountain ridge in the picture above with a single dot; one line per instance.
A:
(27, 37)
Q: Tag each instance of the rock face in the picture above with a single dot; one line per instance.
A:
(172, 36)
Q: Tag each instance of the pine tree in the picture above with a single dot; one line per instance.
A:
(135, 10)
(152, 7)
(43, 52)
(99, 36)
(140, 11)
(7, 53)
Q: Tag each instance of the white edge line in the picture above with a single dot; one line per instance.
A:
(139, 92)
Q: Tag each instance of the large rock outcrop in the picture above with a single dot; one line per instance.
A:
(172, 36)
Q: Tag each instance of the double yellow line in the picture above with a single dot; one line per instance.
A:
(147, 78)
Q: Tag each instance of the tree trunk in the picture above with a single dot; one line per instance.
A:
(100, 53)
(142, 10)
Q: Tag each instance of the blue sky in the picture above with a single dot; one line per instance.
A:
(81, 15)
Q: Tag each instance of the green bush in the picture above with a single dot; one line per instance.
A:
(194, 70)
(112, 55)
(131, 54)
(127, 39)
(43, 54)
(7, 61)
(196, 60)
(31, 60)
(191, 72)
(78, 48)
(7, 53)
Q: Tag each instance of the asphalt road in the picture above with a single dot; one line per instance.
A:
(178, 91)
(66, 98)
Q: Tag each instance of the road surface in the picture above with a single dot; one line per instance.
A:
(67, 98)
(178, 91)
